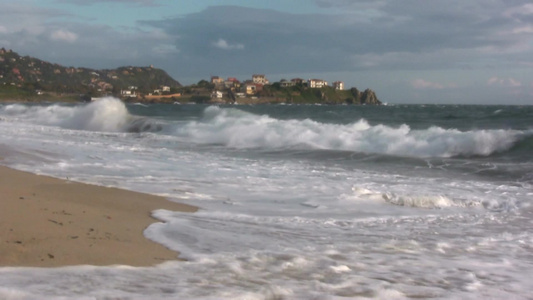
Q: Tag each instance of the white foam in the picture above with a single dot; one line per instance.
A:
(238, 129)
(299, 229)
(421, 201)
(106, 114)
(409, 200)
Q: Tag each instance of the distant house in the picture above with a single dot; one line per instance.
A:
(260, 79)
(317, 83)
(216, 80)
(232, 83)
(128, 93)
(297, 81)
(286, 83)
(338, 85)
(251, 89)
(165, 88)
(217, 94)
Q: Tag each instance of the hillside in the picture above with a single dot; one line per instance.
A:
(24, 75)
(326, 95)
(31, 79)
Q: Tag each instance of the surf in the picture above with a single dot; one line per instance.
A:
(234, 128)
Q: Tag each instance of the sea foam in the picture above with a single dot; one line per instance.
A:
(238, 129)
(105, 115)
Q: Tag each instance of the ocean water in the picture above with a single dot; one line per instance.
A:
(297, 202)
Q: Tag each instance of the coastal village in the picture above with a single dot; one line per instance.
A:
(257, 89)
(24, 77)
(231, 89)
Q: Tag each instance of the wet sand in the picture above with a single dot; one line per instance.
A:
(49, 222)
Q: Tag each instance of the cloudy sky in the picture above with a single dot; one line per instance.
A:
(408, 51)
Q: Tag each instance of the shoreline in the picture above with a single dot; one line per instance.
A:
(50, 222)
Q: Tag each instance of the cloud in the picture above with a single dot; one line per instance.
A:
(165, 49)
(64, 36)
(504, 82)
(424, 84)
(519, 11)
(354, 37)
(402, 35)
(17, 17)
(223, 44)
(528, 29)
(138, 2)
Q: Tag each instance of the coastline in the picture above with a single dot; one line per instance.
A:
(49, 222)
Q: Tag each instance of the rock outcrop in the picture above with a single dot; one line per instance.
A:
(368, 96)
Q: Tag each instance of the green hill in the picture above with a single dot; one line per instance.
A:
(326, 95)
(24, 75)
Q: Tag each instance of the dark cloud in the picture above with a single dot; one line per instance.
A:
(346, 37)
(279, 42)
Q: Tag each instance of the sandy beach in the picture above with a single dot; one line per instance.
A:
(49, 222)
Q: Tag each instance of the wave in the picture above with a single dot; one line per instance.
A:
(107, 115)
(238, 129)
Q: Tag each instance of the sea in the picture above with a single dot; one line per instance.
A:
(296, 201)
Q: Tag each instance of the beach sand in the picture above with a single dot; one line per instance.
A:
(49, 222)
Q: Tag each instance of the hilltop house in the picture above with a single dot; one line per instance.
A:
(252, 88)
(217, 80)
(260, 79)
(297, 81)
(286, 83)
(317, 83)
(338, 85)
(232, 83)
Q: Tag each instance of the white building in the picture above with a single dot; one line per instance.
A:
(128, 93)
(217, 94)
(338, 85)
(260, 79)
(317, 83)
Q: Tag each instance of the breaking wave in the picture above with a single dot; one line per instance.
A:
(107, 114)
(238, 129)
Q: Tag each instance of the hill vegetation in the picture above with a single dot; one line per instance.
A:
(300, 93)
(30, 79)
(24, 77)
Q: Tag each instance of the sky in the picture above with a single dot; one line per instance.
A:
(408, 51)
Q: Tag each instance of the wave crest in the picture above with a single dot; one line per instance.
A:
(238, 129)
(107, 115)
